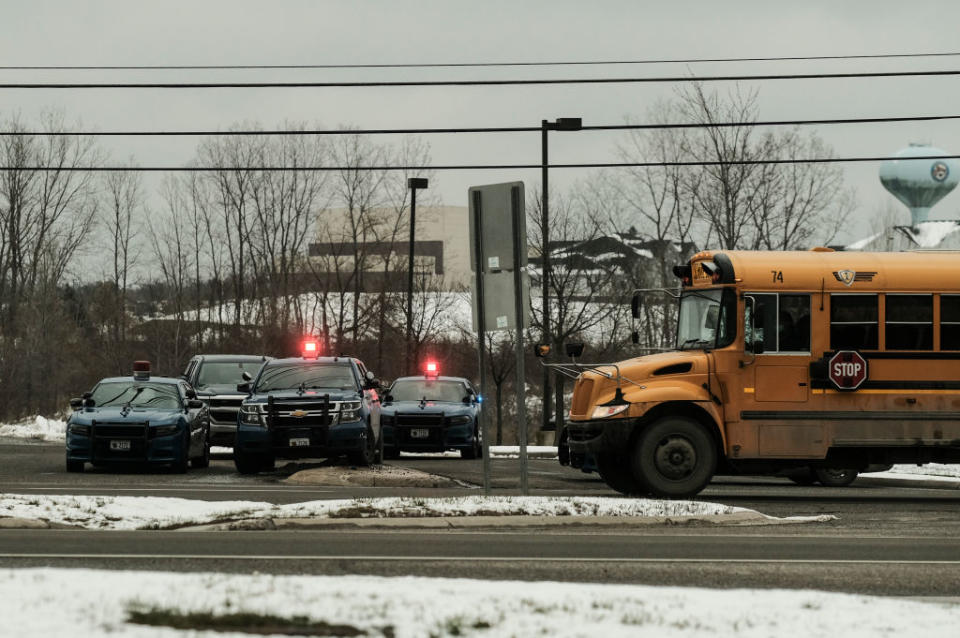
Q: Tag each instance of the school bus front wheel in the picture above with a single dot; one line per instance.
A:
(674, 457)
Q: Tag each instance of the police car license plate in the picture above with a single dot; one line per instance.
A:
(300, 442)
(420, 433)
(120, 446)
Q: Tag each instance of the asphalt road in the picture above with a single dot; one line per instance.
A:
(886, 540)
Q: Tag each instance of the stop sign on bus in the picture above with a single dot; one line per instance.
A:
(847, 369)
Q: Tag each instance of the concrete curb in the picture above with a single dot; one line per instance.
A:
(488, 522)
(939, 483)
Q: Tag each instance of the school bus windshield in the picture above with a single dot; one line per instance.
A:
(707, 319)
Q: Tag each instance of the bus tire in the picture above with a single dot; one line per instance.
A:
(615, 471)
(674, 457)
(831, 477)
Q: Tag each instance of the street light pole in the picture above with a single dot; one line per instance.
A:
(562, 124)
(413, 183)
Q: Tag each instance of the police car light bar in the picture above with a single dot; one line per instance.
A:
(141, 370)
(433, 370)
(311, 349)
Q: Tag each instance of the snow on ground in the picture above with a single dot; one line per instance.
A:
(82, 602)
(149, 512)
(39, 429)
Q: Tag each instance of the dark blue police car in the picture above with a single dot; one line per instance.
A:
(138, 420)
(431, 413)
(308, 407)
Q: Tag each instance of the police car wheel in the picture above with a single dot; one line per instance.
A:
(181, 465)
(203, 460)
(674, 457)
(368, 455)
(248, 463)
(74, 466)
(391, 452)
(475, 450)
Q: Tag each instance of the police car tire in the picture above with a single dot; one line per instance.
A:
(615, 471)
(247, 463)
(203, 460)
(674, 457)
(74, 466)
(475, 451)
(391, 452)
(367, 456)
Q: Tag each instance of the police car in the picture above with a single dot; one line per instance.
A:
(431, 413)
(215, 378)
(308, 407)
(139, 419)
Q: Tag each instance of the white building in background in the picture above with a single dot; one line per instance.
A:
(919, 181)
(441, 246)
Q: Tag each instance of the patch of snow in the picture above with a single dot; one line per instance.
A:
(931, 234)
(861, 244)
(100, 601)
(39, 429)
(149, 512)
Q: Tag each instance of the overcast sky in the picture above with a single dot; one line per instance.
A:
(147, 32)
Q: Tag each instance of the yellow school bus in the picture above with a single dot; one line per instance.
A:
(783, 360)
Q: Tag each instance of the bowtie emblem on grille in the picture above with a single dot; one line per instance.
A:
(299, 413)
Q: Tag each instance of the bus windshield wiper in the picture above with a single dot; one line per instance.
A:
(694, 342)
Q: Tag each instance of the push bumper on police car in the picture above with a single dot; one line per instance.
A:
(124, 443)
(426, 432)
(294, 430)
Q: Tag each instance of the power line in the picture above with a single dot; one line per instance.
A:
(490, 129)
(424, 83)
(437, 65)
(464, 167)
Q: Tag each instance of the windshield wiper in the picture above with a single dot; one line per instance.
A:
(126, 406)
(694, 342)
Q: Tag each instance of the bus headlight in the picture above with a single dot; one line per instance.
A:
(605, 411)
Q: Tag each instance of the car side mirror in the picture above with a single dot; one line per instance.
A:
(76, 404)
(191, 393)
(87, 395)
(757, 347)
(388, 398)
(89, 403)
(243, 387)
(246, 377)
(194, 404)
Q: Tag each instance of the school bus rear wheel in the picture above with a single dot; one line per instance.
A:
(674, 457)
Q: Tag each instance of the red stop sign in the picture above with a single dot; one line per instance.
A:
(847, 369)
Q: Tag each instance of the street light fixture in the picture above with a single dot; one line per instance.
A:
(561, 124)
(413, 183)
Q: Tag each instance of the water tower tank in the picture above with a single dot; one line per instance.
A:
(920, 183)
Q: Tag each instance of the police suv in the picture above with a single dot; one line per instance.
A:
(431, 413)
(139, 419)
(215, 378)
(308, 407)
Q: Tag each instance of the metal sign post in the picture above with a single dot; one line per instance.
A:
(516, 206)
(481, 335)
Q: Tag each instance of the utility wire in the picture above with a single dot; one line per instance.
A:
(438, 65)
(491, 129)
(462, 167)
(522, 82)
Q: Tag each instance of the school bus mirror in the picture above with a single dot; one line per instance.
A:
(634, 337)
(574, 350)
(757, 347)
(541, 350)
(635, 305)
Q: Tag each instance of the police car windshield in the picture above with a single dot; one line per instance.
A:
(316, 375)
(225, 372)
(429, 389)
(161, 396)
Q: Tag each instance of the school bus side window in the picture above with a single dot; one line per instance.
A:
(853, 321)
(782, 322)
(909, 322)
(950, 322)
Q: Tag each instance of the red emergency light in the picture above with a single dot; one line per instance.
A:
(310, 349)
(432, 369)
(141, 370)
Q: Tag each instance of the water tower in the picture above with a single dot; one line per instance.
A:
(919, 183)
